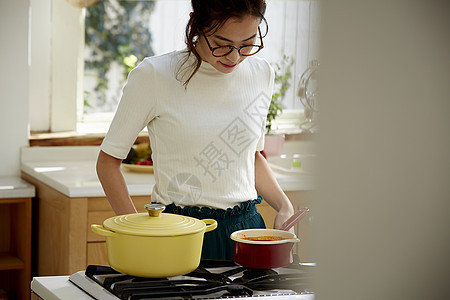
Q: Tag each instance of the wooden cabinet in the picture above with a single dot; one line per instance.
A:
(15, 247)
(65, 242)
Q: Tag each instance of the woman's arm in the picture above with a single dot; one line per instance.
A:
(268, 187)
(113, 183)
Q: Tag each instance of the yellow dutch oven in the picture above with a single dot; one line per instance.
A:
(154, 244)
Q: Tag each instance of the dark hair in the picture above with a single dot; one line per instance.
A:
(212, 14)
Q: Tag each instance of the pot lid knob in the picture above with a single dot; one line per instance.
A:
(155, 209)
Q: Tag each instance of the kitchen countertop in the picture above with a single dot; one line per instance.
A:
(14, 187)
(71, 171)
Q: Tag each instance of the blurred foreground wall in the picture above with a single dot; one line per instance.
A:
(383, 207)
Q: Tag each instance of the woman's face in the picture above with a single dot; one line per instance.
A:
(235, 32)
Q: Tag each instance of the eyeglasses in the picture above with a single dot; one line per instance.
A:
(246, 50)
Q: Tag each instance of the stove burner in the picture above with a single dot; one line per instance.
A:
(207, 279)
(250, 274)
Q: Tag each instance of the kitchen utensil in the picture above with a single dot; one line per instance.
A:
(294, 219)
(263, 254)
(154, 244)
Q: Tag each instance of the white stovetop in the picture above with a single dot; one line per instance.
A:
(60, 288)
(71, 171)
(57, 288)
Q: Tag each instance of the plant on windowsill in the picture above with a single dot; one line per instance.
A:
(274, 142)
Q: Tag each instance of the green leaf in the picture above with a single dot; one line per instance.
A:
(283, 75)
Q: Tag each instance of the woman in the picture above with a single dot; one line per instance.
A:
(204, 108)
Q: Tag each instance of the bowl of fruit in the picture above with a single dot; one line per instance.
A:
(139, 159)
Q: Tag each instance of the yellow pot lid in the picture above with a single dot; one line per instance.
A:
(154, 223)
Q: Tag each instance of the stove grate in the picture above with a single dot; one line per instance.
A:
(236, 281)
(187, 291)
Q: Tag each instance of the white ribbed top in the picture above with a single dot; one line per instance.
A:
(204, 138)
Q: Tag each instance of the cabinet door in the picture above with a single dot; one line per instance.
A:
(268, 213)
(303, 228)
(97, 254)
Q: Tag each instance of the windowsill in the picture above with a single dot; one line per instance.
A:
(66, 138)
(92, 133)
(295, 135)
(72, 138)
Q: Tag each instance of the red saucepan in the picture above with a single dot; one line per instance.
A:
(266, 248)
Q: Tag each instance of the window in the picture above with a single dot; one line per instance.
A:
(58, 90)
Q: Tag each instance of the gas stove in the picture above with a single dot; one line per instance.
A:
(211, 280)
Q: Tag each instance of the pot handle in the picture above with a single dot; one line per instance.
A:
(211, 224)
(293, 240)
(99, 229)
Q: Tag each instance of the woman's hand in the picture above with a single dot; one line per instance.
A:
(283, 215)
(268, 187)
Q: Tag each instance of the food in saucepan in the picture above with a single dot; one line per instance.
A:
(264, 238)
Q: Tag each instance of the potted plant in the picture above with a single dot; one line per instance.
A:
(274, 142)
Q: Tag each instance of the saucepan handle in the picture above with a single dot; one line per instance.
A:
(101, 230)
(211, 224)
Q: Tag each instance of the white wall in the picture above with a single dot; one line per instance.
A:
(40, 88)
(13, 84)
(382, 213)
